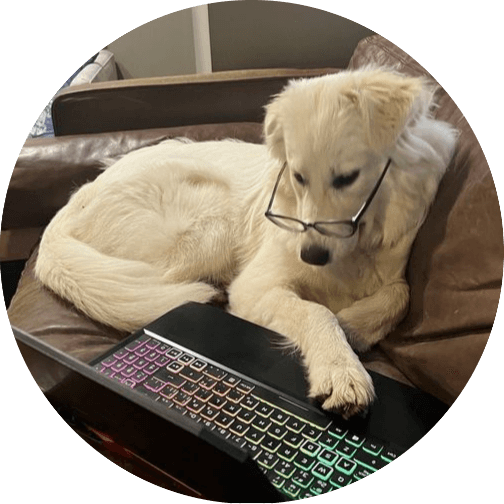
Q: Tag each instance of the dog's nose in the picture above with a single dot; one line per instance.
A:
(315, 255)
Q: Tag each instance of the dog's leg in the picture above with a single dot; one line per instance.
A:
(336, 376)
(369, 320)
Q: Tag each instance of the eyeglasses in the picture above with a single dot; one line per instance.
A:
(339, 229)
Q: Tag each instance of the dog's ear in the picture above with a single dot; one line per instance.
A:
(387, 103)
(273, 130)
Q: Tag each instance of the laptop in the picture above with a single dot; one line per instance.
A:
(228, 397)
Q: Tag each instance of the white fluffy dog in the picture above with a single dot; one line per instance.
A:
(352, 162)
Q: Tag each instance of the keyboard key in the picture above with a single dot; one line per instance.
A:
(291, 490)
(221, 388)
(214, 372)
(199, 365)
(264, 410)
(195, 406)
(168, 392)
(355, 440)
(277, 431)
(130, 358)
(328, 441)
(173, 379)
(142, 351)
(209, 413)
(129, 371)
(245, 387)
(189, 388)
(285, 469)
(175, 367)
(322, 471)
(327, 457)
(310, 448)
(118, 366)
(261, 423)
(293, 440)
(207, 383)
(287, 453)
(304, 462)
(295, 425)
(151, 368)
(311, 433)
(279, 417)
(161, 360)
(224, 420)
(137, 343)
(203, 394)
(320, 487)
(174, 353)
(235, 396)
(139, 376)
(231, 381)
(267, 460)
(181, 398)
(336, 431)
(270, 444)
(249, 402)
(246, 416)
(255, 436)
(372, 447)
(217, 401)
(239, 428)
(231, 409)
(186, 359)
(369, 461)
(345, 466)
(141, 363)
(345, 449)
(361, 472)
(154, 384)
(191, 375)
(152, 343)
(340, 480)
(391, 453)
(302, 478)
(151, 356)
(121, 353)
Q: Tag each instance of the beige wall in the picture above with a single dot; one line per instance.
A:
(257, 34)
(164, 46)
(243, 34)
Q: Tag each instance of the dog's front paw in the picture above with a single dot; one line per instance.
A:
(345, 388)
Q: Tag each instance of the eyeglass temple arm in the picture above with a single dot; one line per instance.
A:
(368, 202)
(270, 204)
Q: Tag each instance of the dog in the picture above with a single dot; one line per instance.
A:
(309, 233)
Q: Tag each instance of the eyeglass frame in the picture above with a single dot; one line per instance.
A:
(353, 222)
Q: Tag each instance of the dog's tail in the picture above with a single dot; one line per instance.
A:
(124, 294)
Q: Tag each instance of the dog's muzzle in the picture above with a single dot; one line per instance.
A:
(315, 255)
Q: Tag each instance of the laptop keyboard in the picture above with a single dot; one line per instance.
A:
(302, 453)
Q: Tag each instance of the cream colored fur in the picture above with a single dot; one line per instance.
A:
(165, 223)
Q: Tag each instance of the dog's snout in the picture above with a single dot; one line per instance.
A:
(316, 255)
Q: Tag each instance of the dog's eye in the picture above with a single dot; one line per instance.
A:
(299, 178)
(341, 181)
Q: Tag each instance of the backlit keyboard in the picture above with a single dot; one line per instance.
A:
(302, 453)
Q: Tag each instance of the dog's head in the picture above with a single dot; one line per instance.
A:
(335, 134)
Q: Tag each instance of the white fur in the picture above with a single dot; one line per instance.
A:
(165, 223)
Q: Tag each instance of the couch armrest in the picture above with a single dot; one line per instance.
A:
(162, 102)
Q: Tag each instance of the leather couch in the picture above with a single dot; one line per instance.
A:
(454, 272)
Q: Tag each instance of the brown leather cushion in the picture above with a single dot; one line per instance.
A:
(455, 269)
